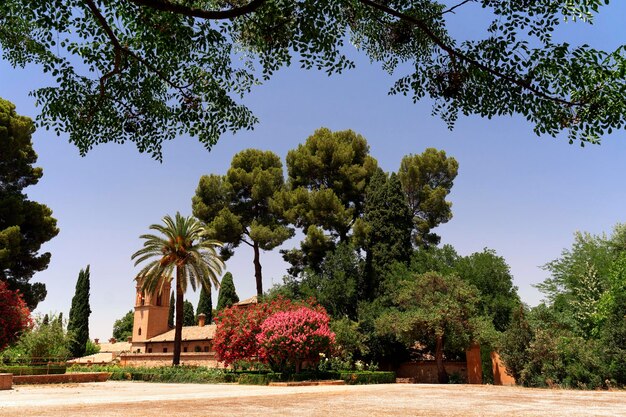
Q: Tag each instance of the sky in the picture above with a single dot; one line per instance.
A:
(521, 195)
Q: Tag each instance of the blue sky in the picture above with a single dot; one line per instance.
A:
(523, 196)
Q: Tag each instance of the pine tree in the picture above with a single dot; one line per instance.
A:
(189, 319)
(25, 225)
(389, 225)
(205, 305)
(227, 295)
(170, 314)
(79, 315)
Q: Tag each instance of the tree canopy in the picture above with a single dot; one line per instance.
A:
(236, 207)
(227, 295)
(123, 327)
(24, 224)
(146, 71)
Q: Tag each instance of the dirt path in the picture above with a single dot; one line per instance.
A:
(130, 399)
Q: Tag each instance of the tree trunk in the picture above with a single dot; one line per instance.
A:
(178, 333)
(257, 271)
(442, 375)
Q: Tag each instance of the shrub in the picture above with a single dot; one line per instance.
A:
(14, 315)
(237, 328)
(288, 338)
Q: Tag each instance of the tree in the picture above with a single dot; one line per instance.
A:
(327, 179)
(78, 324)
(186, 60)
(387, 223)
(435, 307)
(170, 313)
(180, 248)
(515, 343)
(426, 180)
(189, 319)
(289, 338)
(123, 327)
(205, 305)
(227, 295)
(236, 207)
(14, 316)
(492, 276)
(24, 225)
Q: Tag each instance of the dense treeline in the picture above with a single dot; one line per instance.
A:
(577, 337)
(369, 253)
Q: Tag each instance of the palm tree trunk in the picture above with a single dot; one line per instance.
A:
(257, 272)
(442, 375)
(178, 333)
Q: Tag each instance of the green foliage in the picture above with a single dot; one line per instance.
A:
(193, 60)
(368, 377)
(24, 225)
(168, 374)
(181, 247)
(328, 175)
(236, 207)
(426, 181)
(492, 276)
(334, 285)
(78, 325)
(189, 318)
(349, 341)
(515, 343)
(205, 305)
(91, 348)
(227, 295)
(42, 341)
(388, 223)
(123, 327)
(438, 307)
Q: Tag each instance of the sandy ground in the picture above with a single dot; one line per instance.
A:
(167, 400)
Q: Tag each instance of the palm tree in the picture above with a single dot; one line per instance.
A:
(183, 249)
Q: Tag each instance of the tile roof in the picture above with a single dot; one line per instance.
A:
(247, 301)
(206, 332)
(115, 347)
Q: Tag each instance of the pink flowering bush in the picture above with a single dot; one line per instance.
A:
(237, 329)
(289, 338)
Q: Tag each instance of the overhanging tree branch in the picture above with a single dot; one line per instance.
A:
(167, 6)
(422, 26)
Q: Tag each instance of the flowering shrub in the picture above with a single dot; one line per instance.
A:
(237, 329)
(14, 315)
(292, 337)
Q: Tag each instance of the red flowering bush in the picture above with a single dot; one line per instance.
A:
(14, 315)
(289, 338)
(237, 329)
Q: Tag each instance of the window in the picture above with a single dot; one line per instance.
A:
(158, 300)
(197, 349)
(164, 350)
(149, 350)
(139, 331)
(143, 298)
(185, 349)
(206, 348)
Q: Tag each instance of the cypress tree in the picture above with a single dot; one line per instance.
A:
(46, 320)
(205, 305)
(227, 295)
(389, 225)
(79, 315)
(189, 319)
(170, 314)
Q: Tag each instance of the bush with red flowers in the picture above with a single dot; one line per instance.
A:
(14, 315)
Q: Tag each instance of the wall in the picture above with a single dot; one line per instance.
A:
(164, 359)
(425, 372)
(500, 375)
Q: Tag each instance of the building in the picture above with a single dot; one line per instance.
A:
(152, 342)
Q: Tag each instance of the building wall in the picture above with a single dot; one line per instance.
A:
(150, 360)
(425, 372)
(193, 346)
(500, 374)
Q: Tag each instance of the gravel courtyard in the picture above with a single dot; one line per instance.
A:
(144, 399)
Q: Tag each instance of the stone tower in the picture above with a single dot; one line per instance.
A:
(151, 312)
